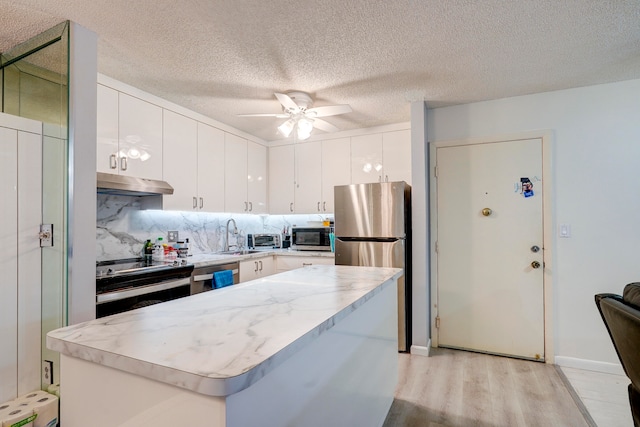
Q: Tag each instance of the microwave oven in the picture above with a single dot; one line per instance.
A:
(310, 238)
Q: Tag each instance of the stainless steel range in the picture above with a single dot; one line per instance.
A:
(127, 284)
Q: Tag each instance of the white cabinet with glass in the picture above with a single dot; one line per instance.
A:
(129, 135)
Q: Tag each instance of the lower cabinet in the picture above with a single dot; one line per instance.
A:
(286, 263)
(256, 268)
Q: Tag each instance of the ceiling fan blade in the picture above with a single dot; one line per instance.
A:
(279, 115)
(330, 110)
(324, 125)
(286, 101)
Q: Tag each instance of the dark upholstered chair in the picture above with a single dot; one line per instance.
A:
(621, 315)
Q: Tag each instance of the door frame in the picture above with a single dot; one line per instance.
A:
(547, 138)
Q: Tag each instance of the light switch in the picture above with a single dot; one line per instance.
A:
(564, 230)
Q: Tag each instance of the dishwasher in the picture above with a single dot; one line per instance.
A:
(202, 277)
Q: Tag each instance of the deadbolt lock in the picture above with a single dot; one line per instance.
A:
(535, 264)
(486, 211)
(535, 249)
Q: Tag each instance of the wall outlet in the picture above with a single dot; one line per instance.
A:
(47, 372)
(172, 236)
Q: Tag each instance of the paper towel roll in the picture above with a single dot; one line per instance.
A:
(46, 409)
(54, 389)
(17, 416)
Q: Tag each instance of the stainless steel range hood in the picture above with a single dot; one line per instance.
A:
(121, 185)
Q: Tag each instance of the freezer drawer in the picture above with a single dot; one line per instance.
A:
(382, 254)
(370, 254)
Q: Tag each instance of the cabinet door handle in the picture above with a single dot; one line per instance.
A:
(386, 178)
(260, 265)
(379, 178)
(256, 269)
(195, 202)
(324, 206)
(291, 206)
(306, 265)
(246, 206)
(318, 206)
(123, 163)
(250, 206)
(201, 202)
(113, 162)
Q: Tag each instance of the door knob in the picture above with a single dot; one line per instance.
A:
(535, 249)
(486, 211)
(535, 264)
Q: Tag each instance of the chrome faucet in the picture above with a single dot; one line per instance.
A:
(235, 231)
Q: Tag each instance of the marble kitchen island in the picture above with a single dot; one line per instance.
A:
(316, 346)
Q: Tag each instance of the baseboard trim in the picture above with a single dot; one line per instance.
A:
(418, 350)
(589, 365)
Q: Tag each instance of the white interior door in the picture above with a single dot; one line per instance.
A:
(490, 222)
(20, 256)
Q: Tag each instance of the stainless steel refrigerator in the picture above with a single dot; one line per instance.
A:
(373, 228)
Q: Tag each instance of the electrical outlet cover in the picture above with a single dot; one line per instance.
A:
(172, 236)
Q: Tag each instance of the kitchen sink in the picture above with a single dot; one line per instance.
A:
(242, 252)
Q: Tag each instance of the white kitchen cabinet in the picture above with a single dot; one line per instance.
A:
(245, 187)
(107, 130)
(256, 178)
(308, 177)
(211, 169)
(286, 263)
(140, 138)
(180, 165)
(281, 179)
(396, 156)
(257, 268)
(235, 183)
(336, 169)
(381, 157)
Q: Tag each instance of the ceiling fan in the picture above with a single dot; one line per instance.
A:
(296, 108)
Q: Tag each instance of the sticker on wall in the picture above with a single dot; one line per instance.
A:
(527, 187)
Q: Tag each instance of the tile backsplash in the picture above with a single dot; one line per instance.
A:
(122, 227)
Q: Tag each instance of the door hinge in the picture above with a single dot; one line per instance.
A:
(435, 171)
(46, 235)
(437, 322)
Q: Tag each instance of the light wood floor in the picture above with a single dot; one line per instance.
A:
(462, 389)
(604, 395)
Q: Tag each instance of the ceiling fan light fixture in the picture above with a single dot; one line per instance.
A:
(286, 128)
(305, 126)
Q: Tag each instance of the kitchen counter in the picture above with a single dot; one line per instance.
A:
(227, 343)
(203, 260)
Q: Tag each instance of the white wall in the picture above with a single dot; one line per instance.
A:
(596, 153)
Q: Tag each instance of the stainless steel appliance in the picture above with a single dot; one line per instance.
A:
(310, 238)
(373, 228)
(127, 284)
(264, 241)
(202, 277)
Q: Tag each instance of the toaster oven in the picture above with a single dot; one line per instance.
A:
(264, 241)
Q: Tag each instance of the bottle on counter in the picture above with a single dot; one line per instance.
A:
(158, 250)
(148, 251)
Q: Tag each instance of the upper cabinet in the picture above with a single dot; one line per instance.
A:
(381, 157)
(180, 164)
(129, 134)
(336, 169)
(281, 179)
(308, 177)
(211, 169)
(245, 187)
(139, 137)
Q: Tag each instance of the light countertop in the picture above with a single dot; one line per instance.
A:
(202, 260)
(219, 343)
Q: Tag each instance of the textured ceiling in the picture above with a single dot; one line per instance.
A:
(223, 58)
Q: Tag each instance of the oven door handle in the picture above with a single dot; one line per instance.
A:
(142, 290)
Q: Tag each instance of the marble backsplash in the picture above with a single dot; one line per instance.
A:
(122, 227)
